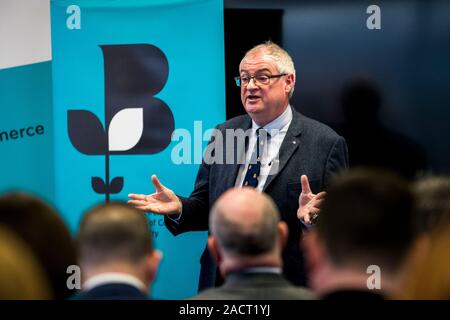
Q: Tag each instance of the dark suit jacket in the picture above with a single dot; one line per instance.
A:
(309, 148)
(112, 291)
(255, 286)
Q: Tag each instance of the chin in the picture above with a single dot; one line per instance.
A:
(253, 108)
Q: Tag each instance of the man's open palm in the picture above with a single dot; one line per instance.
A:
(163, 201)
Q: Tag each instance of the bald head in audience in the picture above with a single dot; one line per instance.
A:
(247, 239)
(246, 231)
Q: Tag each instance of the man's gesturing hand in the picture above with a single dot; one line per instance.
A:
(163, 201)
(308, 202)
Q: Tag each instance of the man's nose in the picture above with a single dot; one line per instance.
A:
(251, 83)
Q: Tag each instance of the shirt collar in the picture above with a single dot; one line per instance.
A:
(113, 277)
(275, 270)
(278, 124)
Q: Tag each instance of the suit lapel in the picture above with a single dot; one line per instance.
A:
(287, 149)
(232, 169)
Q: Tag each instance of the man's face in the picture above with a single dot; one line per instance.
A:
(264, 102)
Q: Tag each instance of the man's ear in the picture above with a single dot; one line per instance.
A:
(152, 264)
(290, 82)
(214, 249)
(283, 233)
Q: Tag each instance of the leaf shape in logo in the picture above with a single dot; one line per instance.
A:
(98, 185)
(125, 129)
(116, 185)
(86, 132)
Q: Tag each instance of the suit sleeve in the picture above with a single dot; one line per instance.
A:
(195, 211)
(337, 160)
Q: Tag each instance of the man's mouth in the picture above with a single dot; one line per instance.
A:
(253, 98)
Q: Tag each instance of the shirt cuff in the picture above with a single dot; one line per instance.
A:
(176, 218)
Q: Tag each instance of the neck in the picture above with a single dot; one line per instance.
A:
(90, 271)
(239, 263)
(261, 122)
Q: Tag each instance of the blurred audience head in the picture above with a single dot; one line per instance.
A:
(432, 203)
(42, 229)
(246, 231)
(428, 268)
(115, 238)
(429, 277)
(21, 275)
(366, 220)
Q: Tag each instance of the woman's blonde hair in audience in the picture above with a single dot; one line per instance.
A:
(21, 277)
(429, 277)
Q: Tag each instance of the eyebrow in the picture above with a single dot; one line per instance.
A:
(257, 71)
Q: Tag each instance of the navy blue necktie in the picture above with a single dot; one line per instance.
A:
(254, 168)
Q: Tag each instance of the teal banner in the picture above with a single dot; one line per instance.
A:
(127, 76)
(26, 130)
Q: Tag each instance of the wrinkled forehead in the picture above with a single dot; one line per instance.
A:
(258, 61)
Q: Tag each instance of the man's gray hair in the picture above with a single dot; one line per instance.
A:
(282, 58)
(432, 202)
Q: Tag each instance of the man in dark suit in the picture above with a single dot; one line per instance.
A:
(116, 254)
(362, 241)
(246, 240)
(293, 147)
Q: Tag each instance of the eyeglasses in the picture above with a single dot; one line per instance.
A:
(259, 78)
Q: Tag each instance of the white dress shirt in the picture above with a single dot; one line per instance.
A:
(276, 130)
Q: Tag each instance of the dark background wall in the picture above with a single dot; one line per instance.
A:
(407, 63)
